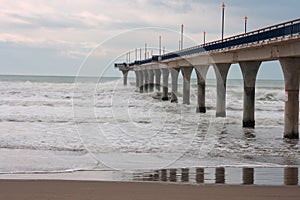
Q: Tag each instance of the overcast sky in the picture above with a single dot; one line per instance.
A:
(54, 37)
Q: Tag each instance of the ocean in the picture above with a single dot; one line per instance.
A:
(67, 124)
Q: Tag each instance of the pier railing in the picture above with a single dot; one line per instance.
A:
(281, 30)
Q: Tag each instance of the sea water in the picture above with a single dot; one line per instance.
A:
(59, 124)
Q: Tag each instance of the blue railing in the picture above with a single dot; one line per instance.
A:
(285, 29)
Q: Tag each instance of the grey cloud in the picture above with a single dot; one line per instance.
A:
(53, 21)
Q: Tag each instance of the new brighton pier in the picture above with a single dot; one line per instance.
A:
(278, 42)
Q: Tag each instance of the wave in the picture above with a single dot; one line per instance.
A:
(44, 148)
(34, 120)
(270, 97)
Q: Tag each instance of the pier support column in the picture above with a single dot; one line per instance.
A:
(125, 75)
(291, 71)
(201, 72)
(157, 73)
(221, 71)
(249, 71)
(146, 80)
(137, 80)
(151, 80)
(186, 73)
(141, 81)
(165, 73)
(174, 75)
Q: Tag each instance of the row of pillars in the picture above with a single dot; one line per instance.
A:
(291, 70)
(290, 175)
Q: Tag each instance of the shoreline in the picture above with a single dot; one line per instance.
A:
(257, 176)
(108, 190)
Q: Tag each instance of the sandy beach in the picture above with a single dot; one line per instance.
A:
(53, 189)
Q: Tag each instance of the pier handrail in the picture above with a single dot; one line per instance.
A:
(284, 29)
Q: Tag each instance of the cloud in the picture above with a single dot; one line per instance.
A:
(71, 28)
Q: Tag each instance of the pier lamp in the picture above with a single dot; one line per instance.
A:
(223, 15)
(181, 36)
(159, 41)
(140, 53)
(246, 19)
(145, 51)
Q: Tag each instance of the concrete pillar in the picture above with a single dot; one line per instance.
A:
(141, 80)
(137, 79)
(174, 75)
(248, 176)
(291, 71)
(157, 73)
(201, 72)
(249, 71)
(125, 74)
(146, 80)
(165, 72)
(186, 73)
(151, 80)
(221, 71)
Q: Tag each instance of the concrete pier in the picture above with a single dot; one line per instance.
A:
(221, 71)
(157, 73)
(201, 72)
(249, 71)
(279, 42)
(174, 75)
(151, 80)
(186, 73)
(291, 71)
(165, 74)
(125, 75)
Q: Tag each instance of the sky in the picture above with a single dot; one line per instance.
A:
(69, 37)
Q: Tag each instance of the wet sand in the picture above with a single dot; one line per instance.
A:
(59, 189)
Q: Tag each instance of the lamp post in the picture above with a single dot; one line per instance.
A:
(223, 15)
(159, 45)
(145, 51)
(246, 19)
(204, 35)
(181, 36)
(140, 53)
